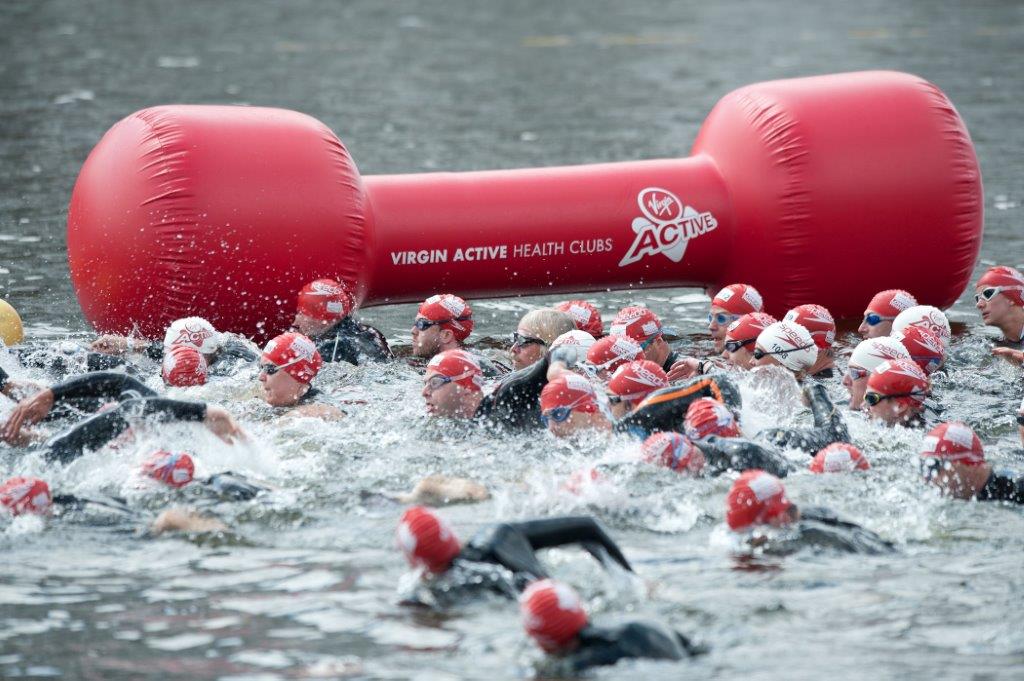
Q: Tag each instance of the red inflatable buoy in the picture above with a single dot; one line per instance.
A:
(815, 190)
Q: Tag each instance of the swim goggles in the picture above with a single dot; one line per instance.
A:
(873, 399)
(644, 344)
(424, 324)
(874, 319)
(759, 353)
(721, 318)
(990, 292)
(438, 381)
(735, 345)
(520, 340)
(270, 368)
(856, 373)
(560, 414)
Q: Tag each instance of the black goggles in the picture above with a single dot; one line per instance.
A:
(759, 353)
(873, 399)
(735, 345)
(424, 324)
(520, 340)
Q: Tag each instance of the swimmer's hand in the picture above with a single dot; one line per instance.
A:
(438, 490)
(185, 520)
(28, 411)
(685, 368)
(319, 411)
(109, 344)
(223, 425)
(1009, 354)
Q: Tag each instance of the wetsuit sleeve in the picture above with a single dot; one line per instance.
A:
(353, 342)
(581, 530)
(234, 487)
(97, 361)
(505, 545)
(516, 401)
(166, 408)
(600, 646)
(3, 379)
(828, 425)
(90, 434)
(100, 384)
(665, 409)
(823, 528)
(740, 454)
(1003, 486)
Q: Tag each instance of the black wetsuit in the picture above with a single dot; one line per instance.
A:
(515, 402)
(672, 358)
(1003, 485)
(665, 409)
(739, 454)
(51, 358)
(599, 646)
(3, 379)
(352, 342)
(821, 528)
(828, 425)
(502, 558)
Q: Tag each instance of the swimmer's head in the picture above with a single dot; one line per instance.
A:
(896, 391)
(728, 305)
(707, 416)
(609, 353)
(11, 330)
(584, 315)
(320, 305)
(740, 337)
(453, 384)
(927, 317)
(427, 540)
(195, 332)
(175, 469)
(999, 295)
(951, 454)
(839, 457)
(758, 498)
(786, 344)
(631, 383)
(673, 451)
(576, 343)
(183, 365)
(287, 366)
(443, 322)
(868, 354)
(925, 348)
(25, 495)
(536, 331)
(645, 328)
(882, 310)
(569, 404)
(552, 615)
(818, 321)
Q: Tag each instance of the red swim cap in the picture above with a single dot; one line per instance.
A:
(674, 451)
(816, 319)
(452, 310)
(738, 299)
(460, 366)
(585, 315)
(954, 442)
(552, 614)
(839, 457)
(638, 323)
(326, 300)
(925, 348)
(1010, 279)
(637, 379)
(427, 540)
(749, 326)
(25, 495)
(755, 498)
(295, 354)
(171, 468)
(183, 365)
(569, 390)
(899, 377)
(613, 351)
(891, 302)
(707, 416)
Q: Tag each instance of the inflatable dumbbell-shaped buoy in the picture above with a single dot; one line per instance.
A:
(823, 190)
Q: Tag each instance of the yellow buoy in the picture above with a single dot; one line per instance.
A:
(10, 324)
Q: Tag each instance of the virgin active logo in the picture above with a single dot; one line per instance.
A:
(666, 227)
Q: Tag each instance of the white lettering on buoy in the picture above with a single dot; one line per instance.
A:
(666, 226)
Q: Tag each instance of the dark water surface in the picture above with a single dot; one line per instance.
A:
(307, 587)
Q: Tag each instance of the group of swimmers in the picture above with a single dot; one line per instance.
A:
(566, 376)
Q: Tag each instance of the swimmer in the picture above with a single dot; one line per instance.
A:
(738, 349)
(711, 455)
(927, 317)
(757, 501)
(572, 348)
(183, 366)
(323, 313)
(555, 619)
(645, 328)
(535, 333)
(828, 426)
(631, 383)
(839, 457)
(868, 354)
(288, 365)
(926, 349)
(442, 323)
(500, 559)
(999, 296)
(896, 393)
(822, 327)
(728, 305)
(665, 409)
(609, 353)
(714, 428)
(952, 459)
(786, 344)
(882, 310)
(585, 315)
(569, 404)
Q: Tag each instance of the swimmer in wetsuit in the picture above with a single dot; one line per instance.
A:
(999, 296)
(882, 310)
(822, 327)
(952, 459)
(714, 429)
(499, 559)
(443, 322)
(645, 328)
(665, 409)
(828, 425)
(554, 618)
(535, 333)
(737, 352)
(896, 393)
(324, 314)
(758, 500)
(712, 455)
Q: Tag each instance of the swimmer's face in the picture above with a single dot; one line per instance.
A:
(883, 328)
(281, 390)
(658, 351)
(526, 353)
(576, 422)
(893, 412)
(856, 386)
(310, 326)
(765, 361)
(743, 358)
(450, 400)
(717, 329)
(995, 311)
(620, 408)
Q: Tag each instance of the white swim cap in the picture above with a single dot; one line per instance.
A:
(194, 331)
(929, 318)
(871, 352)
(577, 340)
(789, 343)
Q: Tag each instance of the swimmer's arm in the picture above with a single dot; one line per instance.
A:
(572, 530)
(217, 419)
(439, 490)
(185, 520)
(320, 410)
(1009, 354)
(110, 344)
(99, 384)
